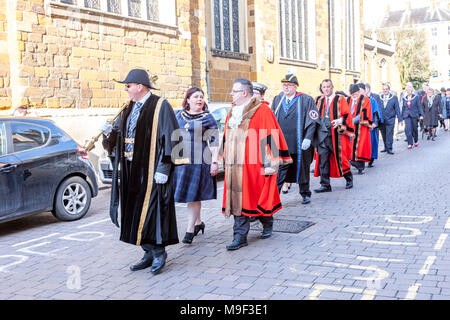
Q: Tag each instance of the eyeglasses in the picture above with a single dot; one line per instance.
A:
(289, 84)
(236, 91)
(130, 85)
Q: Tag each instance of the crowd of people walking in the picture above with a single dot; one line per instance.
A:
(167, 157)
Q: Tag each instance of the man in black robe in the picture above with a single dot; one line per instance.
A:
(140, 141)
(299, 120)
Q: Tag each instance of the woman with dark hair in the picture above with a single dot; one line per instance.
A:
(196, 181)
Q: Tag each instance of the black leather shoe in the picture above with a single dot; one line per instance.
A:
(188, 238)
(384, 150)
(349, 185)
(390, 152)
(143, 264)
(158, 263)
(236, 244)
(266, 233)
(323, 189)
(306, 200)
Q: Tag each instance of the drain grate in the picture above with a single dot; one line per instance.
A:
(287, 226)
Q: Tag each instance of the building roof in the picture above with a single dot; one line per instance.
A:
(415, 16)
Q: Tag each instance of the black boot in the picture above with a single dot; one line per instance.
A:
(237, 243)
(188, 237)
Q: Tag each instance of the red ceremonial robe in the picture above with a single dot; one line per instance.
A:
(257, 143)
(342, 147)
(361, 144)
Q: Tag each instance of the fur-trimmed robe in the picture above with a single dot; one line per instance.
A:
(362, 146)
(341, 135)
(257, 143)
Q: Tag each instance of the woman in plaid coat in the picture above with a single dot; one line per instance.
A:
(196, 181)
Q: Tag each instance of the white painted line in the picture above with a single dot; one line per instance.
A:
(364, 258)
(447, 225)
(37, 239)
(423, 219)
(412, 292)
(318, 289)
(440, 243)
(414, 232)
(393, 243)
(427, 265)
(41, 253)
(92, 223)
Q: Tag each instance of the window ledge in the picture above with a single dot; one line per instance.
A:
(230, 55)
(335, 70)
(299, 63)
(352, 72)
(101, 17)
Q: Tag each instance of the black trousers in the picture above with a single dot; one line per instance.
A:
(152, 250)
(241, 225)
(325, 150)
(387, 132)
(288, 173)
(412, 130)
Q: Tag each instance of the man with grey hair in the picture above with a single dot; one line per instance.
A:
(253, 148)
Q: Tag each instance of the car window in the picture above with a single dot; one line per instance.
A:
(2, 139)
(28, 136)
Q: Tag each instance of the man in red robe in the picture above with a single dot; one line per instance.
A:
(333, 154)
(362, 119)
(253, 148)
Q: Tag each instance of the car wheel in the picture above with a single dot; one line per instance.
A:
(73, 199)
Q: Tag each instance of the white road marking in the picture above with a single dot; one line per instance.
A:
(37, 239)
(440, 243)
(92, 223)
(412, 291)
(447, 225)
(75, 236)
(20, 260)
(414, 231)
(40, 253)
(424, 219)
(427, 265)
(393, 243)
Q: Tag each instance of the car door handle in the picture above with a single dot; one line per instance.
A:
(8, 167)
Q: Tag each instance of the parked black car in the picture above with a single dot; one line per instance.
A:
(42, 169)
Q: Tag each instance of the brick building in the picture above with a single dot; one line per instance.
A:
(65, 53)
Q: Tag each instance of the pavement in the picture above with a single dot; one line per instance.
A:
(384, 239)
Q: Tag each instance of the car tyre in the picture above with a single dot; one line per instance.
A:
(72, 200)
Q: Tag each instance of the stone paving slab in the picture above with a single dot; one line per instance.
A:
(387, 238)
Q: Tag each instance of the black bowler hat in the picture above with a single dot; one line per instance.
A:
(290, 78)
(138, 76)
(353, 88)
(260, 87)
